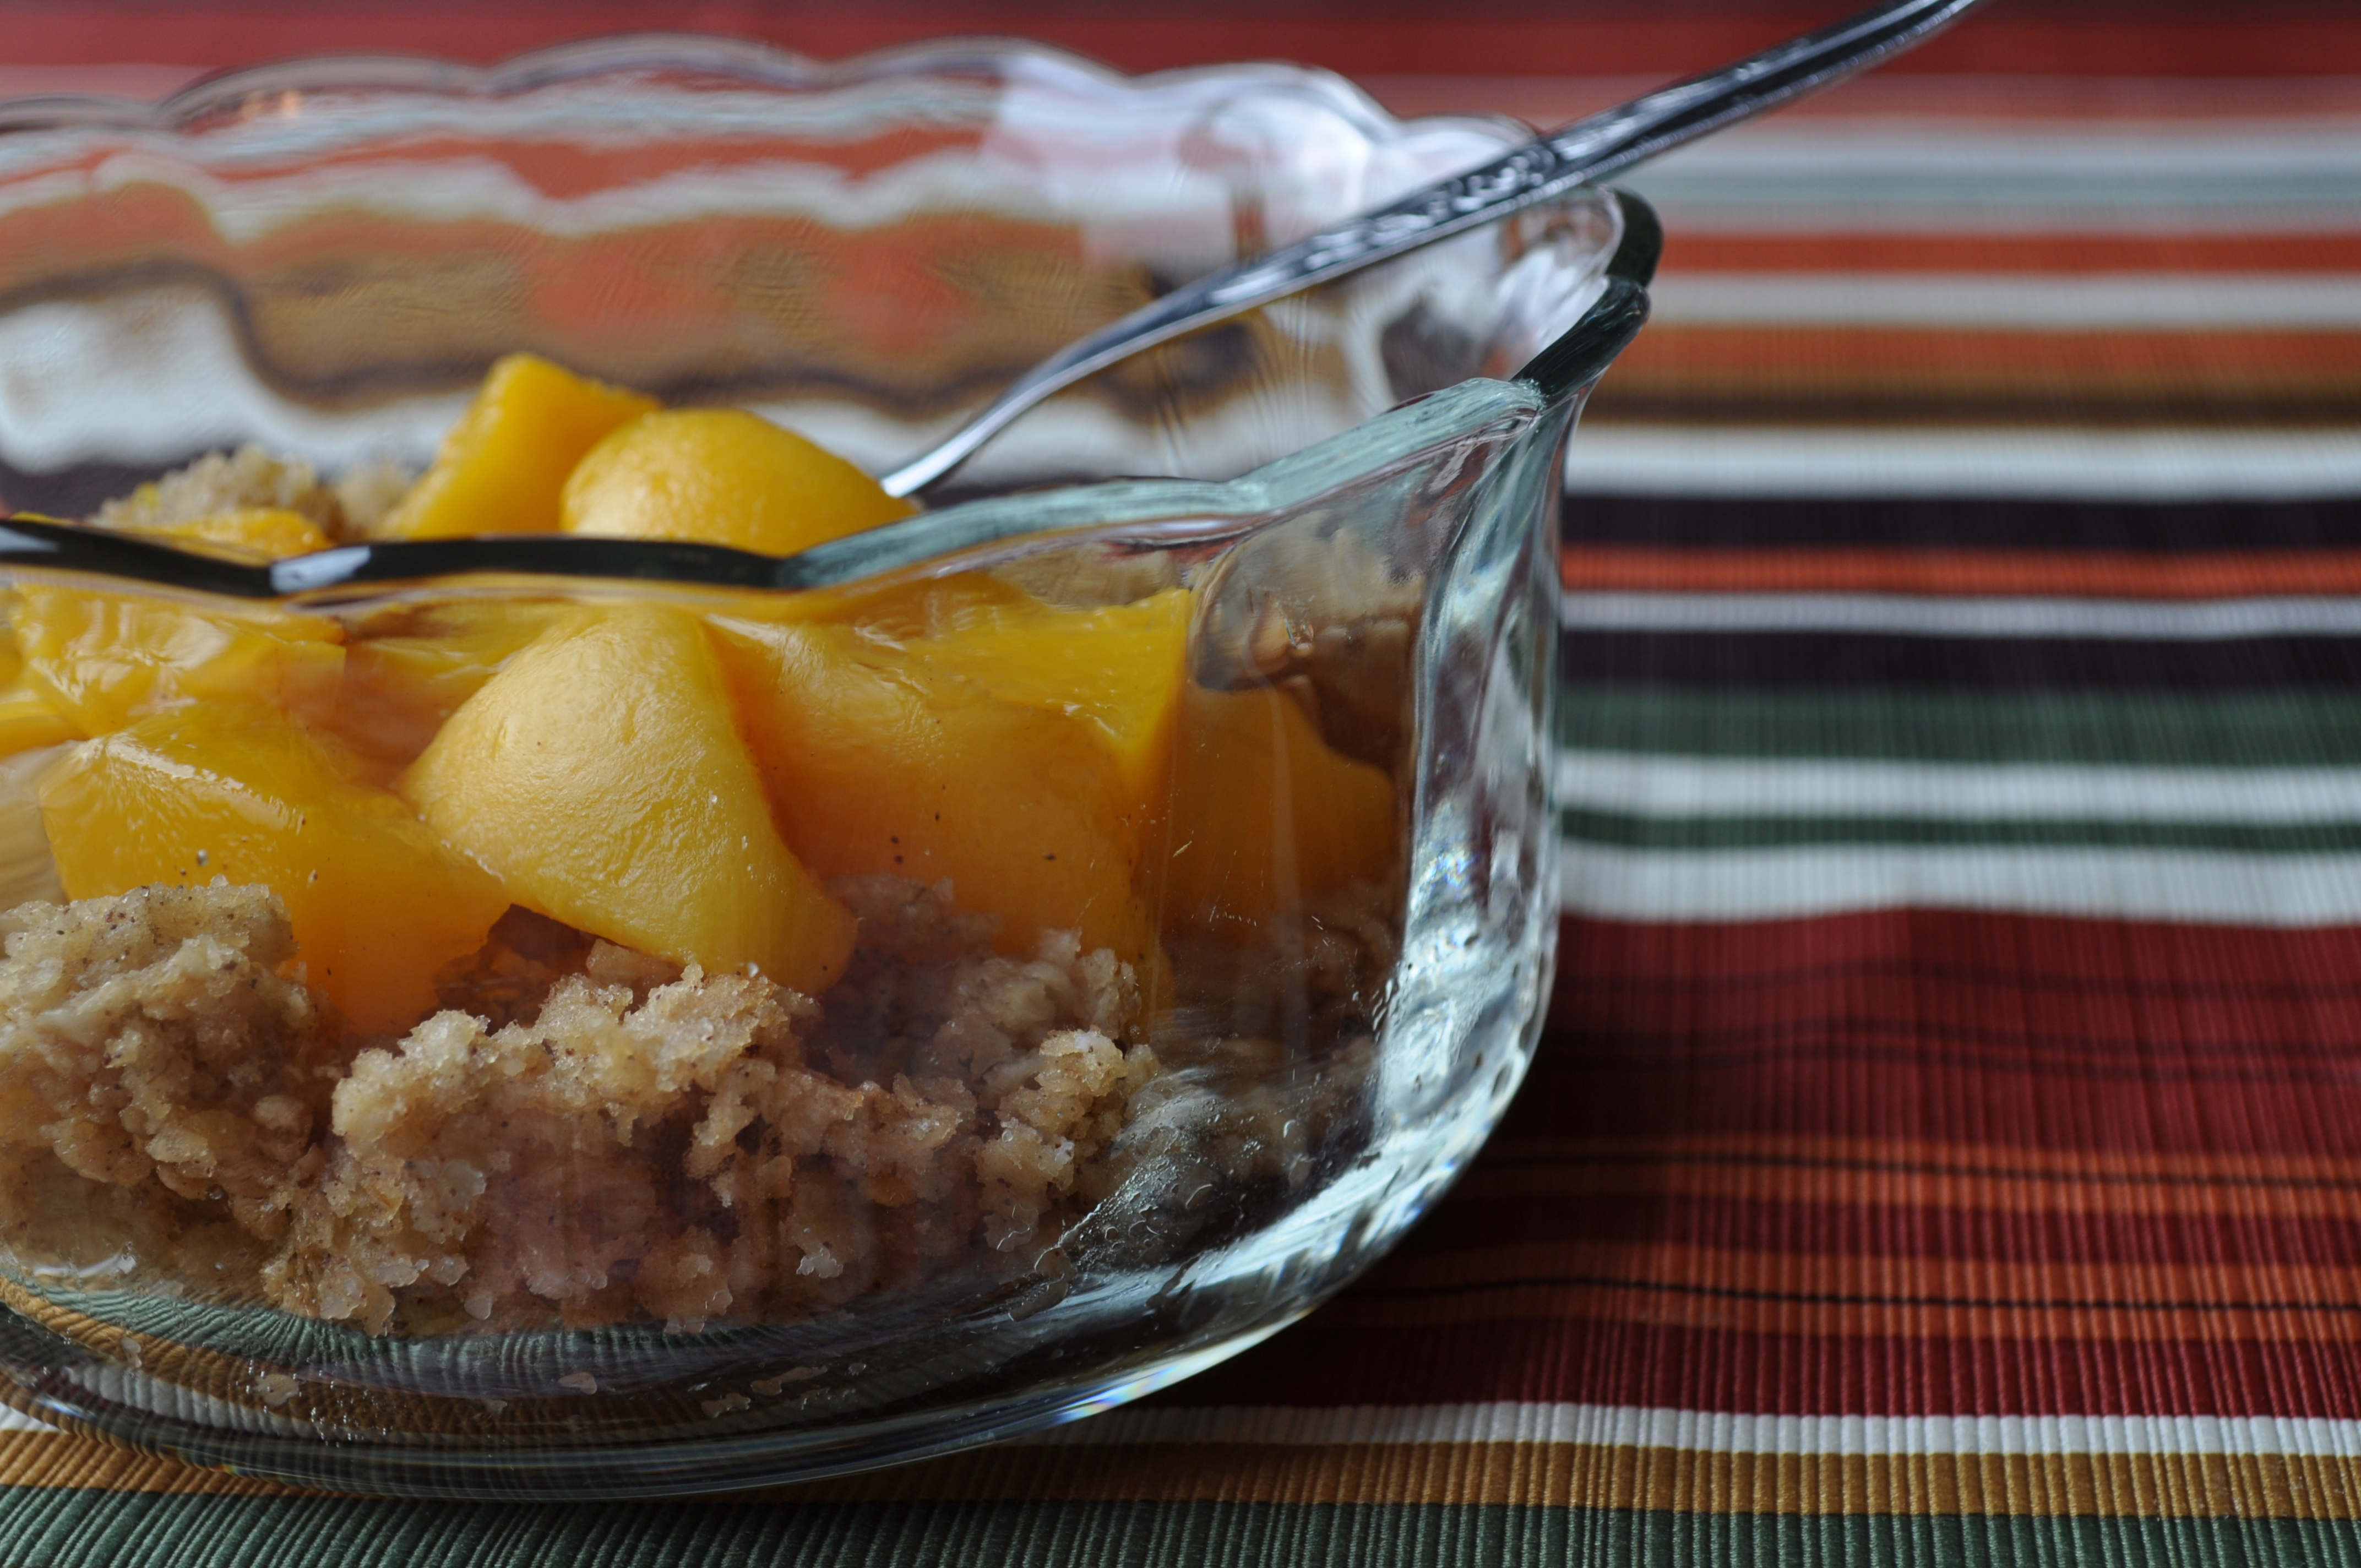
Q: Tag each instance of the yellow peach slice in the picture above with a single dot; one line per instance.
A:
(403, 682)
(270, 532)
(600, 776)
(101, 661)
(378, 906)
(27, 724)
(723, 477)
(876, 763)
(1265, 814)
(501, 467)
(1120, 670)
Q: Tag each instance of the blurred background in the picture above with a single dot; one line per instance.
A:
(1912, 284)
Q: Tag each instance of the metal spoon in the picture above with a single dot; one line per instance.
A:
(1548, 166)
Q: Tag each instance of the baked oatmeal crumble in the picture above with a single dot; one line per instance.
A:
(649, 1141)
(157, 1071)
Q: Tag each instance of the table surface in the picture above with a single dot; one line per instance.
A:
(1948, 1144)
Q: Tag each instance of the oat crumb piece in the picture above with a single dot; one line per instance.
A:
(351, 506)
(160, 1083)
(367, 494)
(220, 482)
(695, 1147)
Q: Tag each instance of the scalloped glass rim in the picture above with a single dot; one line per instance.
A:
(1163, 507)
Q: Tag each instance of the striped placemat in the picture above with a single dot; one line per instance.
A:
(1948, 1146)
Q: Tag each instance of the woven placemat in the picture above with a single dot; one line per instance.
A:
(1948, 1146)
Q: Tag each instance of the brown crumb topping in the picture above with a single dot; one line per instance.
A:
(640, 1141)
(161, 1084)
(350, 507)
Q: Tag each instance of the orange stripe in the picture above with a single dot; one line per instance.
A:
(2070, 573)
(1528, 1474)
(66, 1459)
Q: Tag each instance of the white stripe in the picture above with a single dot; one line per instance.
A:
(1769, 207)
(1654, 785)
(2199, 885)
(1911, 615)
(2159, 300)
(1704, 1431)
(2323, 151)
(2024, 463)
(2254, 175)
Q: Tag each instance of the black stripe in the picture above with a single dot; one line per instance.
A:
(2328, 834)
(70, 492)
(1977, 522)
(1877, 659)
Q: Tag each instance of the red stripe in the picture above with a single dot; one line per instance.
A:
(1954, 947)
(1795, 1082)
(1630, 1215)
(2112, 41)
(1325, 1365)
(1919, 95)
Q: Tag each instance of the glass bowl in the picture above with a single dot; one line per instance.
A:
(1268, 623)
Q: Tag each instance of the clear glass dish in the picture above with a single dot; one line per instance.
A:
(1343, 508)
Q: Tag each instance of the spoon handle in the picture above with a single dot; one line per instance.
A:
(1587, 150)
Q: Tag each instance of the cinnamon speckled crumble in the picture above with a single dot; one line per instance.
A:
(650, 1142)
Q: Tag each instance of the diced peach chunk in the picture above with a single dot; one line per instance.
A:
(1120, 670)
(26, 723)
(501, 467)
(724, 477)
(599, 775)
(270, 532)
(1265, 814)
(401, 683)
(379, 905)
(877, 762)
(101, 661)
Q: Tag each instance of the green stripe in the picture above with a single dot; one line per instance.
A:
(68, 1528)
(1776, 832)
(2258, 729)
